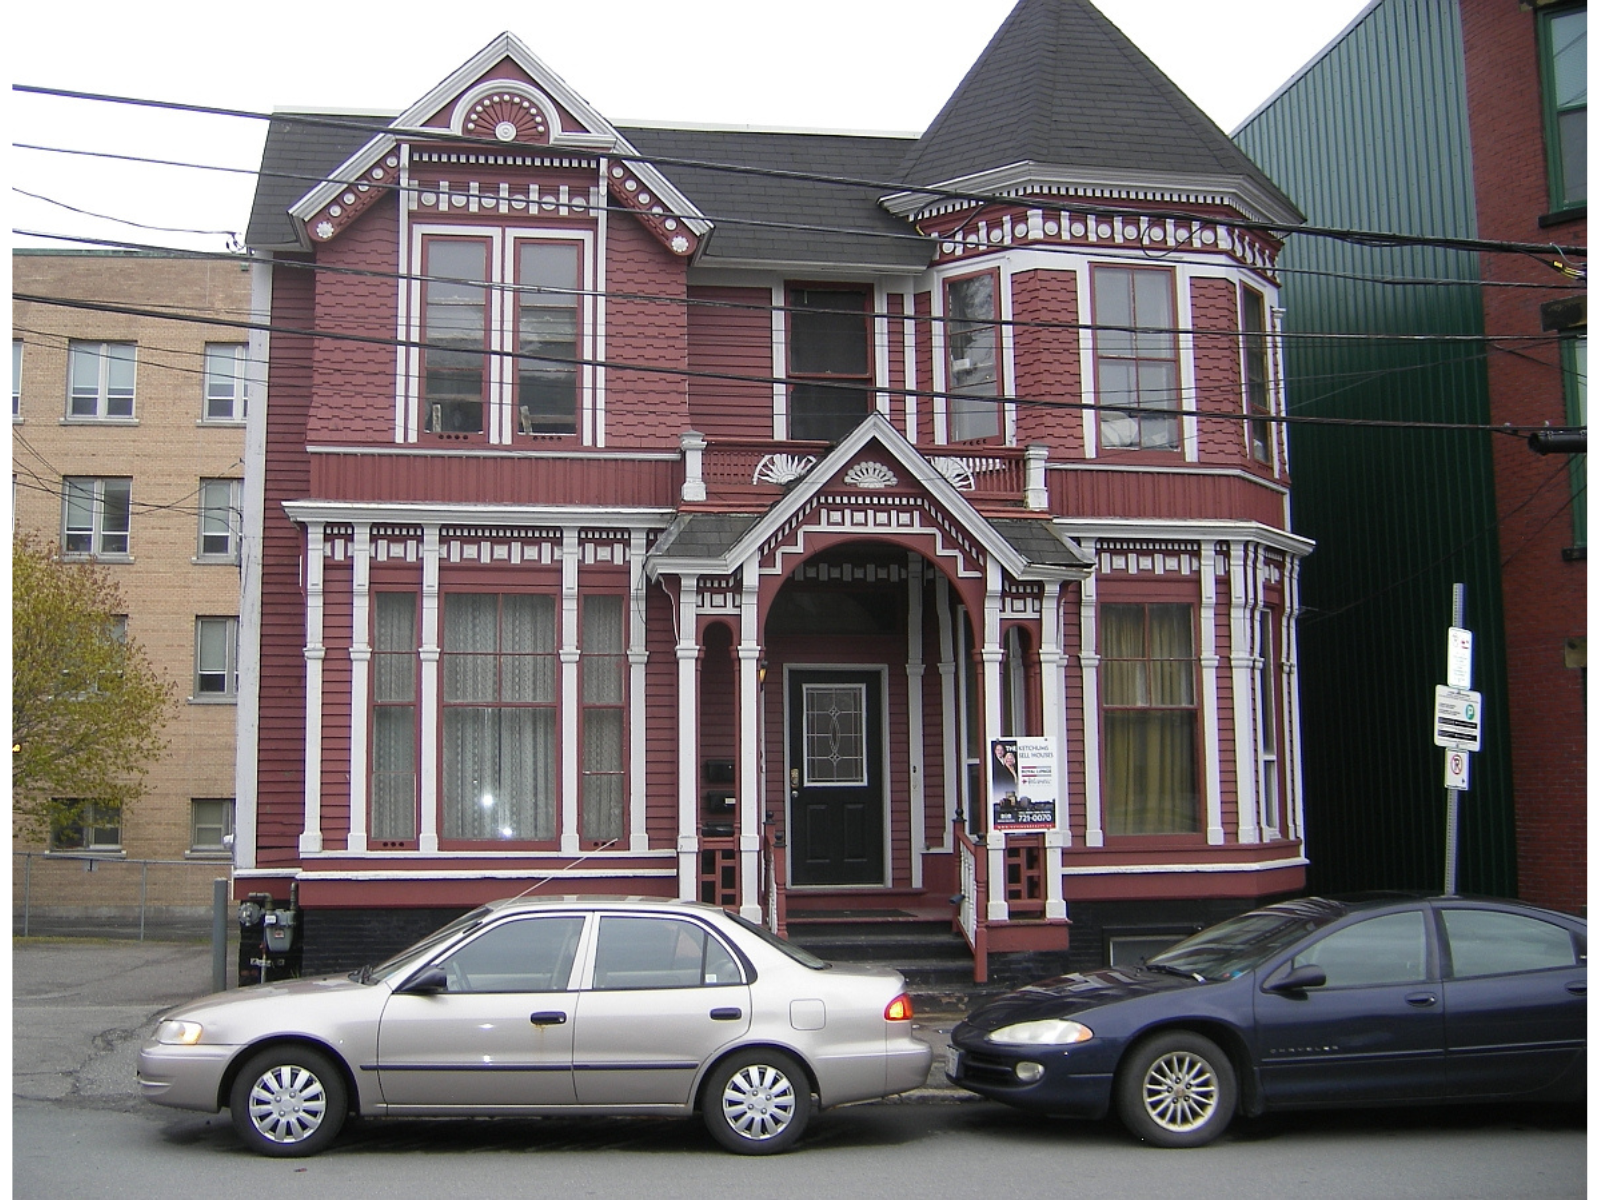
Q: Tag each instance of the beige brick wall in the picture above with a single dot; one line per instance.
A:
(167, 449)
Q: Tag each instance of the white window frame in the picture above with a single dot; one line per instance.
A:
(500, 417)
(104, 357)
(224, 841)
(96, 529)
(230, 666)
(230, 515)
(231, 388)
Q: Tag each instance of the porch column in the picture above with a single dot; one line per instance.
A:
(1053, 713)
(311, 828)
(914, 747)
(954, 752)
(992, 653)
(638, 658)
(688, 650)
(750, 743)
(1094, 835)
(360, 667)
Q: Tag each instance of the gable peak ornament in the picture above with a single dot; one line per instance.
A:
(871, 476)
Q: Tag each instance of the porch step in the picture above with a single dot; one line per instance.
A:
(934, 958)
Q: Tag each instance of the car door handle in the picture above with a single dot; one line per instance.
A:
(1578, 987)
(726, 1014)
(549, 1018)
(1422, 999)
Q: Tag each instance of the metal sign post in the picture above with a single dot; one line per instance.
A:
(1457, 726)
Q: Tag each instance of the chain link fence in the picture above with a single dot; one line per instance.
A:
(96, 895)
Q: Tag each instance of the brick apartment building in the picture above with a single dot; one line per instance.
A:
(127, 447)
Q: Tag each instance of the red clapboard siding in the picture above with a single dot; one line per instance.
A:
(1049, 365)
(644, 409)
(1219, 386)
(355, 398)
(1148, 494)
(595, 478)
(725, 337)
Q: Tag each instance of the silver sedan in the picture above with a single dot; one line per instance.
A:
(550, 1007)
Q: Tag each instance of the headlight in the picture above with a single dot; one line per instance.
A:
(1042, 1033)
(178, 1033)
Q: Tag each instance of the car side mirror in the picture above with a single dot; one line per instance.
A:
(1299, 979)
(429, 983)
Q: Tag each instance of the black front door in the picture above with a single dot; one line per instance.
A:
(835, 777)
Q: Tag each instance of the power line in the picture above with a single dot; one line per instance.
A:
(738, 377)
(883, 187)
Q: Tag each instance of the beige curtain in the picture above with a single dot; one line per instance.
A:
(1148, 719)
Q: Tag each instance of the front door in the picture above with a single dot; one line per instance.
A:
(835, 777)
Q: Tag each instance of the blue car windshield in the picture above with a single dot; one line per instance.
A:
(1238, 944)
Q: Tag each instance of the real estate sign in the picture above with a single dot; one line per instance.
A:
(1024, 789)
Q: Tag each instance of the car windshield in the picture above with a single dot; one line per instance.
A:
(1239, 944)
(804, 957)
(418, 950)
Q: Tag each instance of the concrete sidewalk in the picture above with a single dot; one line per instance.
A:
(81, 1008)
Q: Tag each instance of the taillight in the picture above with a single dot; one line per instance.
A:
(899, 1009)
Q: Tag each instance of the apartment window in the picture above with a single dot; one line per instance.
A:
(1258, 406)
(225, 381)
(972, 344)
(219, 520)
(16, 379)
(83, 825)
(96, 516)
(1148, 718)
(1136, 359)
(1267, 721)
(499, 720)
(394, 716)
(547, 337)
(1575, 375)
(210, 826)
(830, 366)
(100, 380)
(603, 665)
(216, 658)
(455, 326)
(1563, 52)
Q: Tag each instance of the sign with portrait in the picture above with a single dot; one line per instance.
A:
(1023, 786)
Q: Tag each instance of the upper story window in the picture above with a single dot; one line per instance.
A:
(216, 658)
(972, 359)
(219, 520)
(830, 361)
(1564, 59)
(502, 319)
(210, 826)
(1258, 405)
(224, 382)
(1136, 358)
(100, 380)
(85, 825)
(95, 516)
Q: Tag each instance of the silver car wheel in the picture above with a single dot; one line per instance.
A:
(759, 1102)
(1180, 1092)
(287, 1104)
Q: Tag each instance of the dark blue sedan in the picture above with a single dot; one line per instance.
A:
(1304, 1004)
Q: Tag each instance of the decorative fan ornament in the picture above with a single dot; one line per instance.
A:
(507, 117)
(870, 475)
(783, 468)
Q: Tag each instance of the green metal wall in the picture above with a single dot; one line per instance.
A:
(1373, 136)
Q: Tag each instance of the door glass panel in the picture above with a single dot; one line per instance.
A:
(1390, 949)
(835, 735)
(522, 956)
(650, 952)
(1494, 943)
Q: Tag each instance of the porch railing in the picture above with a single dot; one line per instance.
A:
(972, 903)
(719, 871)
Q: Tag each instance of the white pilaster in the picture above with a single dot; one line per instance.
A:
(688, 651)
(1295, 808)
(949, 698)
(1211, 735)
(638, 659)
(569, 690)
(914, 710)
(311, 827)
(428, 826)
(1246, 737)
(749, 744)
(1094, 834)
(1053, 713)
(360, 683)
(993, 653)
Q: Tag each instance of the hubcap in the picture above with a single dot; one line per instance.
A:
(1180, 1092)
(287, 1104)
(758, 1102)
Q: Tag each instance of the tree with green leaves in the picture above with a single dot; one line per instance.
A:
(87, 704)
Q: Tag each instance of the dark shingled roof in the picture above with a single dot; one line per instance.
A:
(699, 536)
(302, 149)
(1039, 542)
(1060, 84)
(757, 216)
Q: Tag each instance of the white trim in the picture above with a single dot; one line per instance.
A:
(428, 652)
(638, 659)
(1293, 779)
(1210, 725)
(494, 452)
(880, 348)
(780, 361)
(954, 755)
(595, 317)
(1089, 396)
(750, 778)
(360, 683)
(1180, 529)
(1201, 868)
(248, 728)
(474, 873)
(1094, 835)
(429, 514)
(1244, 605)
(570, 782)
(993, 655)
(917, 838)
(1188, 384)
(687, 652)
(908, 338)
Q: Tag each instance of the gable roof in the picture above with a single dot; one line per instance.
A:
(302, 148)
(1060, 85)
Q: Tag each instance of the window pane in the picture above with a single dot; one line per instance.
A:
(116, 505)
(1569, 53)
(646, 952)
(119, 380)
(394, 787)
(1113, 305)
(83, 376)
(1493, 943)
(456, 328)
(216, 517)
(971, 338)
(547, 326)
(1573, 130)
(532, 955)
(1384, 950)
(211, 821)
(79, 516)
(828, 332)
(211, 656)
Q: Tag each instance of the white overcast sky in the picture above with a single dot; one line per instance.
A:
(821, 64)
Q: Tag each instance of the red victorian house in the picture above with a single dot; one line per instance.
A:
(829, 526)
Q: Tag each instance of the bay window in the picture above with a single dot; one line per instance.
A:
(1136, 358)
(972, 344)
(1148, 719)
